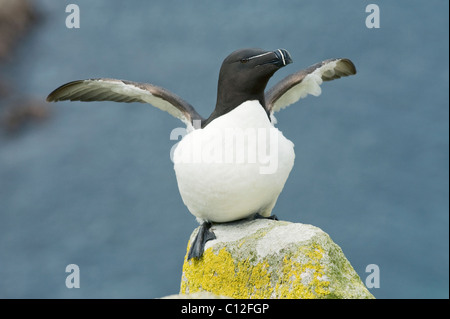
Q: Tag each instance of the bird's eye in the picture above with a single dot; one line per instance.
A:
(244, 60)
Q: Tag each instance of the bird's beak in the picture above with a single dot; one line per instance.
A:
(279, 58)
(283, 57)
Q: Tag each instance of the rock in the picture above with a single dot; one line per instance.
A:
(15, 117)
(16, 16)
(271, 259)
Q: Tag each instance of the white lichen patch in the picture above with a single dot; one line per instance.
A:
(284, 236)
(307, 276)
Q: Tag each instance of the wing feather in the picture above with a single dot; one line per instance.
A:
(104, 89)
(298, 85)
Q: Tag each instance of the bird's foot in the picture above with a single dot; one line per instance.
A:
(272, 217)
(198, 245)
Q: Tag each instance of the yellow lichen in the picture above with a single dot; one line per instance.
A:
(219, 273)
(291, 284)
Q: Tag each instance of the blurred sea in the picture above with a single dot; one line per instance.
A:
(94, 184)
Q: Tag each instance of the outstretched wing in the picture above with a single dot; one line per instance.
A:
(298, 85)
(104, 89)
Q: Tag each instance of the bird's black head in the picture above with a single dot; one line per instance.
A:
(244, 75)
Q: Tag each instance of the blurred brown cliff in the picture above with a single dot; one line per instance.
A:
(17, 110)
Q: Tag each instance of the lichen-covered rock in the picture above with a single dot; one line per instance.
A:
(271, 259)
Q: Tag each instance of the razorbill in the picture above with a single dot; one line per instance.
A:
(233, 164)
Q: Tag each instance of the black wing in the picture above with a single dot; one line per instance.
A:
(104, 89)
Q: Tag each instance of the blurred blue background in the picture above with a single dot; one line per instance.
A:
(94, 185)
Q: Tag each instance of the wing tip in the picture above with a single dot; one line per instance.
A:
(52, 97)
(56, 95)
(349, 66)
(343, 67)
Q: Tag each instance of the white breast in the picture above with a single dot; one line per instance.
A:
(235, 167)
